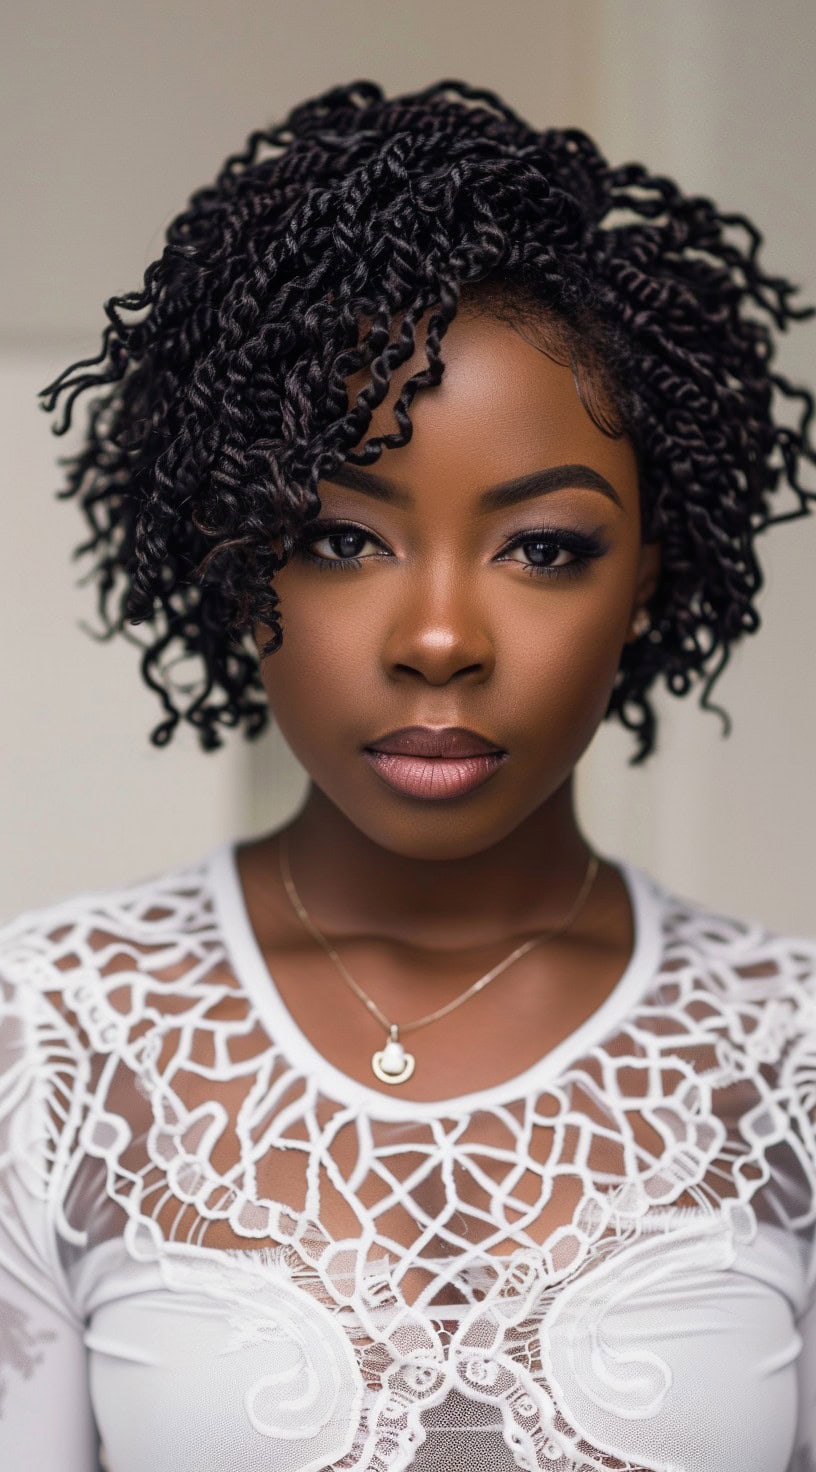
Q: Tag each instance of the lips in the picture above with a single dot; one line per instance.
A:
(434, 763)
(434, 741)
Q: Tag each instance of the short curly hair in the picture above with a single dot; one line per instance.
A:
(222, 397)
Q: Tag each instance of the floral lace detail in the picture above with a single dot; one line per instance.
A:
(414, 1263)
(21, 1347)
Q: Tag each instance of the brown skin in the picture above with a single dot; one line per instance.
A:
(447, 628)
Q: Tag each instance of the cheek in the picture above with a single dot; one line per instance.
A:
(564, 654)
(326, 651)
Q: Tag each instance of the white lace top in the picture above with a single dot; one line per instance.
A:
(219, 1252)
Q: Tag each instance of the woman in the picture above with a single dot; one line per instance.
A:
(416, 1133)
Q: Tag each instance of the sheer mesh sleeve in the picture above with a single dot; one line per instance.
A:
(805, 1457)
(46, 1420)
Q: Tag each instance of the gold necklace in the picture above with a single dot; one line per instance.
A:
(393, 1064)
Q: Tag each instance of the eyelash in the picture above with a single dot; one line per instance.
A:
(584, 548)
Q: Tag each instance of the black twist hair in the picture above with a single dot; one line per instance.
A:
(223, 399)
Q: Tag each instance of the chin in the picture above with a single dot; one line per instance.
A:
(436, 831)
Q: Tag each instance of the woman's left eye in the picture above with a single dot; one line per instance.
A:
(554, 551)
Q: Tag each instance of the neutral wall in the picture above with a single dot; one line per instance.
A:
(110, 114)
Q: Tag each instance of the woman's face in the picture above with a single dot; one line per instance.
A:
(436, 606)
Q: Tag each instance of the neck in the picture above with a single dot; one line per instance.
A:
(350, 884)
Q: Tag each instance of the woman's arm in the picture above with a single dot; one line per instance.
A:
(46, 1421)
(804, 1458)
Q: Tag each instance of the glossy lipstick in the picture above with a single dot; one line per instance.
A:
(434, 763)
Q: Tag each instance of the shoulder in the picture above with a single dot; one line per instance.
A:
(58, 953)
(741, 962)
(86, 984)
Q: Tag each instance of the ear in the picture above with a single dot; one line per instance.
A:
(648, 576)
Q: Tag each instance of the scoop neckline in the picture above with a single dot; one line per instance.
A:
(253, 975)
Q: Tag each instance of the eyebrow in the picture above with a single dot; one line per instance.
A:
(496, 498)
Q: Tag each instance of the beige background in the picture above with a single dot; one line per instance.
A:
(110, 114)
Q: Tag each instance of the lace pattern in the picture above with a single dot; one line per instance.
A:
(407, 1268)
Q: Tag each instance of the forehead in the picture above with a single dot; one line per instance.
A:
(502, 408)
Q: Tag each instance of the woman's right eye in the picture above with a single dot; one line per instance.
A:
(344, 540)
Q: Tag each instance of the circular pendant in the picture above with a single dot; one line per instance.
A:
(391, 1064)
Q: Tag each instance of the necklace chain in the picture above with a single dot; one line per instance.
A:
(391, 1027)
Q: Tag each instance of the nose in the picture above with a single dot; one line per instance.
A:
(437, 631)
